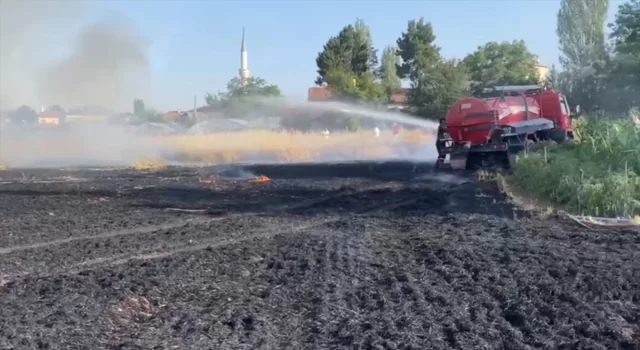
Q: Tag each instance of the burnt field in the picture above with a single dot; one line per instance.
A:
(356, 256)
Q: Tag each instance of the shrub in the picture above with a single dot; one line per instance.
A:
(597, 175)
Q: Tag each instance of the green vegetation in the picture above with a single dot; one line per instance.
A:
(243, 98)
(599, 174)
(348, 65)
(502, 64)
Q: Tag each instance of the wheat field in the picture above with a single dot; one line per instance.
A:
(285, 147)
(147, 152)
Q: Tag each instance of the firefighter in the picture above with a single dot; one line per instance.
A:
(442, 135)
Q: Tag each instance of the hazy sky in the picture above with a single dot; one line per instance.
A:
(194, 45)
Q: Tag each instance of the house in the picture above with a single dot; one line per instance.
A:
(51, 118)
(319, 93)
(88, 114)
(205, 112)
(399, 99)
(543, 73)
(172, 116)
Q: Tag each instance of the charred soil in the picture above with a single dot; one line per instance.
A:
(343, 256)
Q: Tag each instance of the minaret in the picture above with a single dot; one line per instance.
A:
(244, 61)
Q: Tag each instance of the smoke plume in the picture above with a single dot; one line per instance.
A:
(107, 68)
(46, 59)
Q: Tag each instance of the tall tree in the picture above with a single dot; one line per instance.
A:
(624, 81)
(388, 71)
(347, 64)
(350, 51)
(417, 49)
(580, 30)
(364, 36)
(505, 63)
(626, 28)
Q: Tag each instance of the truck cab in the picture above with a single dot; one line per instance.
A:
(555, 107)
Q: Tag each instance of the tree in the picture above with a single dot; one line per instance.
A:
(24, 115)
(138, 107)
(236, 89)
(241, 98)
(351, 51)
(364, 87)
(624, 80)
(347, 64)
(505, 63)
(626, 28)
(388, 71)
(363, 34)
(438, 88)
(417, 49)
(580, 30)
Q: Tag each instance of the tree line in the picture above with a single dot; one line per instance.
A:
(599, 72)
(596, 71)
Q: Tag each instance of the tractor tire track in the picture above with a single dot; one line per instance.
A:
(183, 223)
(207, 244)
(377, 324)
(343, 303)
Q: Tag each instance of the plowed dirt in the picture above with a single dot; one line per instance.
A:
(352, 256)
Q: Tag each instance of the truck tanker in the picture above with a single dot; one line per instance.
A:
(487, 130)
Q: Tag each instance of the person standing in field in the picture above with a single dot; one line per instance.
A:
(376, 131)
(396, 129)
(442, 136)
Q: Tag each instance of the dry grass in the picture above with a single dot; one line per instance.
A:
(149, 165)
(281, 146)
(218, 148)
(3, 167)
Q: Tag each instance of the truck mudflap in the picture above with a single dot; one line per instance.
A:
(458, 161)
(458, 156)
(465, 158)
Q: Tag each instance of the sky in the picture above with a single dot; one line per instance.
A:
(194, 45)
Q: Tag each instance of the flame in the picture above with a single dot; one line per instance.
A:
(260, 179)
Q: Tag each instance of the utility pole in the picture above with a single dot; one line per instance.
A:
(195, 108)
